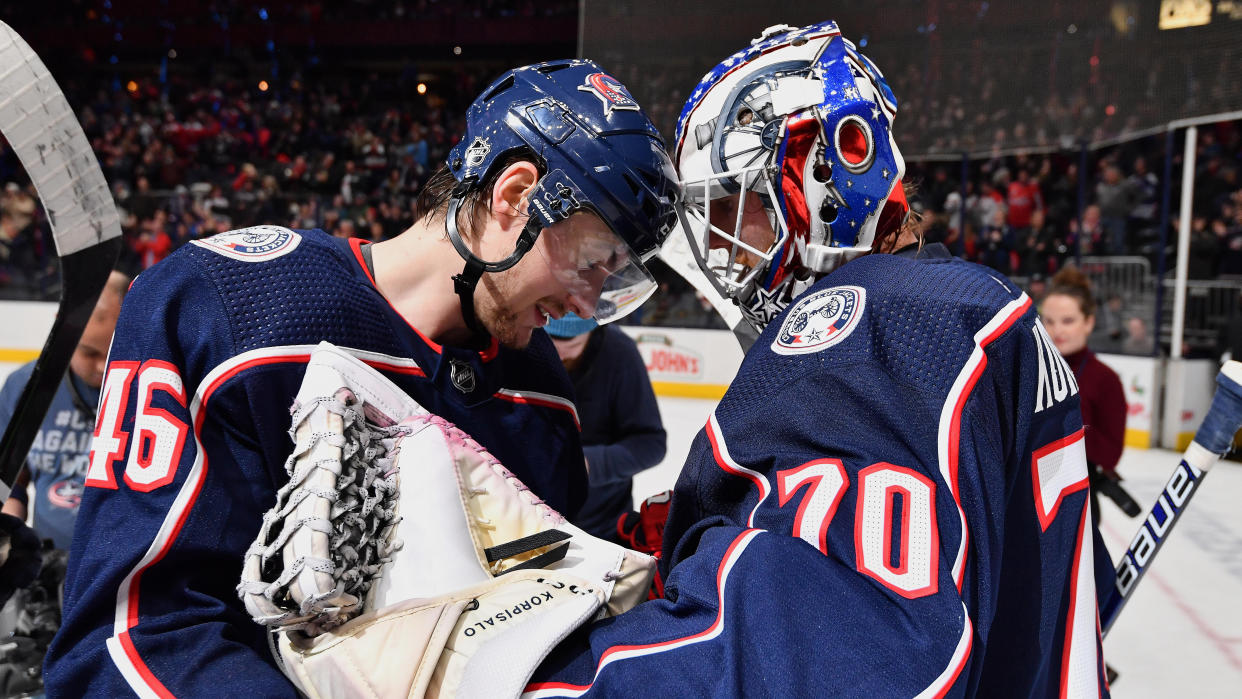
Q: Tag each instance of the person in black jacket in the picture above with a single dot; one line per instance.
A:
(621, 429)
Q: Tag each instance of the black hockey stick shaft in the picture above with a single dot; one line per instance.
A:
(1213, 439)
(44, 133)
(83, 275)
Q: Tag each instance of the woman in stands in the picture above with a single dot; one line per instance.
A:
(1069, 313)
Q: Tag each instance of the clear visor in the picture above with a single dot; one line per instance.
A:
(603, 278)
(734, 236)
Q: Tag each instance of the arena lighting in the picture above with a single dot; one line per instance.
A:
(132, 86)
(263, 86)
(422, 88)
(1178, 14)
(456, 50)
(172, 53)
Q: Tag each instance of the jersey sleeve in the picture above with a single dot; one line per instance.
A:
(175, 488)
(755, 613)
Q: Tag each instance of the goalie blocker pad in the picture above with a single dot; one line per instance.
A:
(403, 559)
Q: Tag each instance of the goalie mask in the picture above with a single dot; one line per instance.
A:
(788, 166)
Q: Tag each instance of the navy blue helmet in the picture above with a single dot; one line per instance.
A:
(596, 150)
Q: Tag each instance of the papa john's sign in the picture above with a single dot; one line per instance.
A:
(667, 361)
(688, 362)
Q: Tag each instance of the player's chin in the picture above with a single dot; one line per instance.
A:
(511, 332)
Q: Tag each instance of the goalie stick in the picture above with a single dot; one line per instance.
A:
(1213, 439)
(44, 133)
(680, 256)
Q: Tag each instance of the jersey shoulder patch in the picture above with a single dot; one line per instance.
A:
(254, 244)
(820, 320)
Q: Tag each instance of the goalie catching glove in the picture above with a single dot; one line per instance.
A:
(402, 559)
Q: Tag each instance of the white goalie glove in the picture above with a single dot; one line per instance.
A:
(402, 559)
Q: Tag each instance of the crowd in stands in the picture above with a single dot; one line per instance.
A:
(1022, 212)
(185, 163)
(349, 153)
(1095, 85)
(1022, 218)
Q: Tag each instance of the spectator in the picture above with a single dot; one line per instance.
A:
(1037, 289)
(1023, 199)
(55, 471)
(621, 430)
(1205, 248)
(152, 243)
(1230, 236)
(1144, 186)
(1090, 240)
(1109, 327)
(1115, 200)
(58, 459)
(1138, 339)
(998, 244)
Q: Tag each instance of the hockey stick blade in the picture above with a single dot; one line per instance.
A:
(46, 136)
(1213, 439)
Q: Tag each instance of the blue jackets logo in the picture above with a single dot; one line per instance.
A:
(610, 91)
(820, 320)
(66, 494)
(255, 244)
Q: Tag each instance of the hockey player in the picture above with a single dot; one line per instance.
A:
(558, 192)
(891, 498)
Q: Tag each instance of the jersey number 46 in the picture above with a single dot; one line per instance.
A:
(159, 435)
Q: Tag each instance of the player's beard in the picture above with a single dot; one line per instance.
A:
(493, 308)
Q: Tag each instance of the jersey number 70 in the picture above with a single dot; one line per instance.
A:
(895, 534)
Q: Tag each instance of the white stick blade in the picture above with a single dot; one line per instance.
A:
(42, 129)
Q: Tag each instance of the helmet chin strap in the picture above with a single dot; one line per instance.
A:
(464, 282)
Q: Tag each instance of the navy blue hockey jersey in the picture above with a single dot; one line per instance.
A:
(192, 437)
(890, 501)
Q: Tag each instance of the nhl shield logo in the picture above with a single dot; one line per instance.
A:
(462, 375)
(254, 244)
(820, 320)
(477, 152)
(610, 91)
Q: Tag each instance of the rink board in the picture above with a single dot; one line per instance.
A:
(700, 364)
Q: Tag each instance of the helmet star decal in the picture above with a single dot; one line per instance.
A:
(609, 91)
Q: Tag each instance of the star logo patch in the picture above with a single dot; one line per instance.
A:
(820, 320)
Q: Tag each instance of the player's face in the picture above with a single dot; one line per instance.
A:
(565, 272)
(1066, 323)
(755, 229)
(91, 355)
